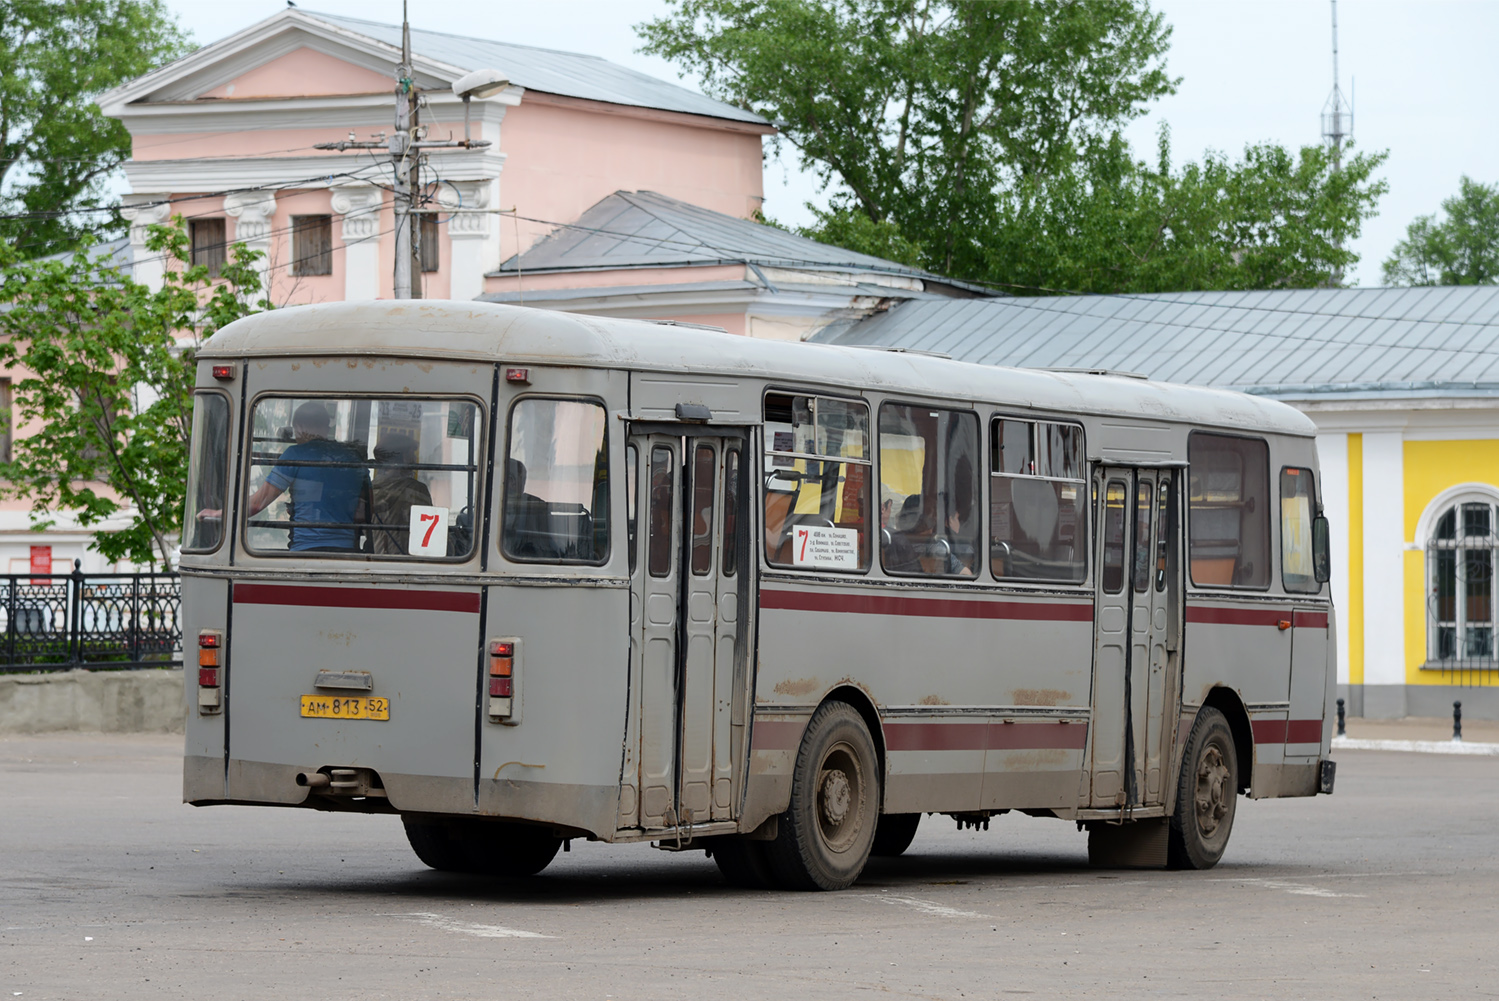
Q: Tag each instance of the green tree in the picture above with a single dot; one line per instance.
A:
(104, 370)
(917, 111)
(1111, 223)
(56, 146)
(1462, 249)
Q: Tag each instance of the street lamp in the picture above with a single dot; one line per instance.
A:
(481, 84)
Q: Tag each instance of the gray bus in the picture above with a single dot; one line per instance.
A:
(523, 576)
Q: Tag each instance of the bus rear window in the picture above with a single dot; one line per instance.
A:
(382, 478)
(1228, 518)
(557, 483)
(208, 484)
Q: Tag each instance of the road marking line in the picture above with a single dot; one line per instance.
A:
(442, 923)
(929, 906)
(1299, 889)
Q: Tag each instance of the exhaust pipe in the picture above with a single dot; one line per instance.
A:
(313, 780)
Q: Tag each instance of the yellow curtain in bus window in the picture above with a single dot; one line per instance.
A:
(1295, 531)
(429, 531)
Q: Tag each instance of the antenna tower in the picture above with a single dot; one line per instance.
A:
(1337, 113)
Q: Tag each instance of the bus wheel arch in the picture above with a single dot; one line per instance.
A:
(864, 706)
(1227, 702)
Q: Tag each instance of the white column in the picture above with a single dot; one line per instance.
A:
(149, 267)
(252, 212)
(473, 236)
(1384, 558)
(359, 205)
(1332, 458)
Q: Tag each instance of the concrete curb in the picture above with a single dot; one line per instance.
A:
(144, 701)
(1417, 746)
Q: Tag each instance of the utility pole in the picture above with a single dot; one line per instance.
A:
(406, 146)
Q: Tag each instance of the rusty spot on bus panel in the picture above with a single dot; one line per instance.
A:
(1040, 696)
(796, 686)
(933, 700)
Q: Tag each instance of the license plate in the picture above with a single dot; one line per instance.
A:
(345, 707)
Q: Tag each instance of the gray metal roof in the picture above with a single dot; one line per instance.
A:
(570, 74)
(642, 229)
(1292, 344)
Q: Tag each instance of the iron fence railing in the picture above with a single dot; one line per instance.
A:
(56, 622)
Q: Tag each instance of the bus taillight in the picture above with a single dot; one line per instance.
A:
(210, 698)
(503, 654)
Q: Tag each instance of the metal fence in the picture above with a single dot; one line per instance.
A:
(56, 622)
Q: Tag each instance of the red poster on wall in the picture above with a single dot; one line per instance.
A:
(41, 562)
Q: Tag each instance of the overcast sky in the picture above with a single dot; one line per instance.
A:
(1422, 75)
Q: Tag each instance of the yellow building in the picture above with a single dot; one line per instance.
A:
(1404, 387)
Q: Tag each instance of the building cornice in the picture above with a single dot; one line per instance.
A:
(538, 97)
(160, 177)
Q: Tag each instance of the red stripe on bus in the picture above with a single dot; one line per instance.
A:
(950, 608)
(1236, 616)
(1279, 731)
(938, 736)
(357, 597)
(777, 735)
(1311, 620)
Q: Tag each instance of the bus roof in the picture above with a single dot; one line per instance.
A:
(492, 332)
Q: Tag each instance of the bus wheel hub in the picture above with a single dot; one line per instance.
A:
(836, 796)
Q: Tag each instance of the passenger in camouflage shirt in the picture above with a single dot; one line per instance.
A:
(396, 490)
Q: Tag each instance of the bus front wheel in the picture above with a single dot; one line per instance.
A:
(826, 834)
(1205, 795)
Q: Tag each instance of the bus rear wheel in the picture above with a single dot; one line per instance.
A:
(825, 835)
(743, 862)
(481, 847)
(1206, 794)
(894, 834)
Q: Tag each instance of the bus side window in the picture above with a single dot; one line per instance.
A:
(929, 484)
(557, 483)
(816, 479)
(1298, 505)
(1037, 502)
(1228, 518)
(659, 561)
(704, 468)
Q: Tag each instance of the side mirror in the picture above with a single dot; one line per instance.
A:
(1321, 556)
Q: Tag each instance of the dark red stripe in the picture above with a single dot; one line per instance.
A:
(1237, 616)
(927, 735)
(948, 608)
(777, 735)
(1279, 731)
(1311, 620)
(357, 597)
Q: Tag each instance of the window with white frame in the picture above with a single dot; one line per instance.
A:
(1460, 560)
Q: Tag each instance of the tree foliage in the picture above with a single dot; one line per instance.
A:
(56, 146)
(103, 371)
(983, 140)
(1462, 249)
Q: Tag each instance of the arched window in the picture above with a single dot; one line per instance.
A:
(1460, 561)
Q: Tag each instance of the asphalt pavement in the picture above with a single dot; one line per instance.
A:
(110, 887)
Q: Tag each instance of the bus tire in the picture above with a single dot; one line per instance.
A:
(825, 835)
(1206, 793)
(743, 862)
(894, 834)
(484, 848)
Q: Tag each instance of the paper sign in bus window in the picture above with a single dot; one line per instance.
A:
(818, 546)
(429, 531)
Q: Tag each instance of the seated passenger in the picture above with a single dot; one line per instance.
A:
(528, 522)
(396, 491)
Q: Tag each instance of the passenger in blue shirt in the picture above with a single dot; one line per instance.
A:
(338, 494)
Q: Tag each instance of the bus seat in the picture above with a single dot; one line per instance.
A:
(1219, 572)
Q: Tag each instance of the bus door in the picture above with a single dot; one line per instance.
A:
(1137, 659)
(688, 588)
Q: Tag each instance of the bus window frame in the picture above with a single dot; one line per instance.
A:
(869, 462)
(481, 460)
(1272, 511)
(500, 460)
(230, 482)
(1314, 508)
(1086, 498)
